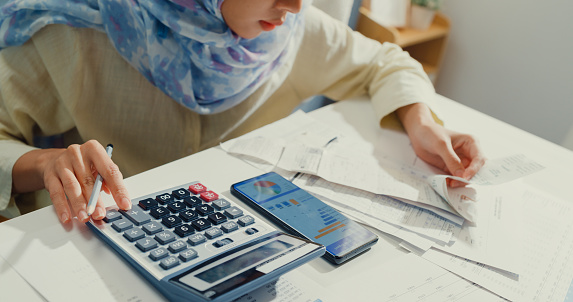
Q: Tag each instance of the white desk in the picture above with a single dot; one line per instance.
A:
(356, 280)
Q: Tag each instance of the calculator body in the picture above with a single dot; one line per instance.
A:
(193, 245)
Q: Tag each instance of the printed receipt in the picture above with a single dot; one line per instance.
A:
(307, 148)
(291, 287)
(494, 172)
(366, 172)
(429, 283)
(547, 265)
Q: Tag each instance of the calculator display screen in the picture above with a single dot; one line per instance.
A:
(236, 264)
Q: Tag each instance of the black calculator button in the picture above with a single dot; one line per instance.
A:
(169, 262)
(192, 201)
(165, 237)
(136, 215)
(171, 221)
(217, 218)
(189, 215)
(133, 234)
(201, 224)
(184, 230)
(146, 244)
(204, 209)
(152, 227)
(164, 198)
(176, 207)
(111, 216)
(180, 193)
(148, 204)
(196, 239)
(187, 255)
(159, 253)
(122, 225)
(251, 231)
(158, 213)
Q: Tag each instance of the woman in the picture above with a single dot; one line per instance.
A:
(164, 79)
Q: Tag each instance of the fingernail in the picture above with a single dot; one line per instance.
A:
(126, 204)
(64, 217)
(82, 216)
(98, 214)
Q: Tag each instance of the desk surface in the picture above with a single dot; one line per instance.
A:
(497, 138)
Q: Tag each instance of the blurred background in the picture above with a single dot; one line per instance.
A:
(509, 59)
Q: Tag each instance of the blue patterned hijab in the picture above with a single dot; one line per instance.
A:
(181, 46)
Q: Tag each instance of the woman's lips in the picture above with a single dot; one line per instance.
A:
(268, 26)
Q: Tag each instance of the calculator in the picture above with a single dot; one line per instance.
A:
(194, 245)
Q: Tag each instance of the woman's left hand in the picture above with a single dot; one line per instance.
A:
(455, 153)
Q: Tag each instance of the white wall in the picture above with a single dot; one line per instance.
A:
(513, 60)
(339, 9)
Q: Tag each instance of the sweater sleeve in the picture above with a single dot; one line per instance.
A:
(29, 106)
(340, 63)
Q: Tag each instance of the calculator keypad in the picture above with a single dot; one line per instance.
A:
(169, 227)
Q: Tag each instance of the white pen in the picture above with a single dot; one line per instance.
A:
(97, 186)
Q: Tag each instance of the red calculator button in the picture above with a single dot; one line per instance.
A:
(197, 188)
(209, 196)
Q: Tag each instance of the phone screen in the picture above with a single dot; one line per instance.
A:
(304, 213)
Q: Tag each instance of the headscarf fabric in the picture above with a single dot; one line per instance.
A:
(183, 47)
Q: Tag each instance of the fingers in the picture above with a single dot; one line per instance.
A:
(113, 178)
(451, 160)
(456, 183)
(82, 176)
(65, 191)
(457, 154)
(468, 149)
(475, 165)
(74, 193)
(58, 197)
(99, 212)
(104, 188)
(454, 164)
(70, 179)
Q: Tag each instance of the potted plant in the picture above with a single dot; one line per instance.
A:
(423, 12)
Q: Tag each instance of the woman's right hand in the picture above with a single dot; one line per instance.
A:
(69, 176)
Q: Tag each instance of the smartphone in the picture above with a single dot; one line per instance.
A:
(304, 215)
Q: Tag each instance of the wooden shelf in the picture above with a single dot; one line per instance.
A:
(426, 46)
(409, 36)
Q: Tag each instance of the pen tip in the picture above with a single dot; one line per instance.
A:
(91, 210)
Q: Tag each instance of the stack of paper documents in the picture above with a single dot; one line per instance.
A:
(476, 231)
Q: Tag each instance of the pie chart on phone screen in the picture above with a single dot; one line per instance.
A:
(267, 187)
